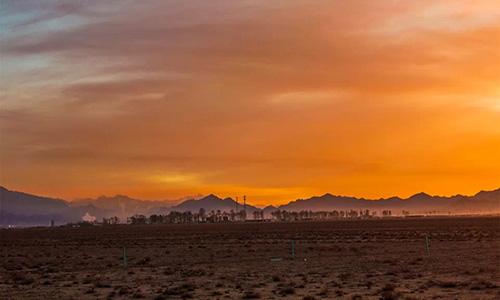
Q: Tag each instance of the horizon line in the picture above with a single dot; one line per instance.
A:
(223, 198)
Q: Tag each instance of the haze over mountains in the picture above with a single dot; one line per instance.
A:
(482, 202)
(212, 202)
(123, 206)
(17, 208)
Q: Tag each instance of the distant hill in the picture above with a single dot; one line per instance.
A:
(123, 206)
(212, 202)
(18, 208)
(23, 209)
(19, 203)
(268, 211)
(483, 202)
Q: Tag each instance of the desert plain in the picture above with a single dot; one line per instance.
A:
(399, 258)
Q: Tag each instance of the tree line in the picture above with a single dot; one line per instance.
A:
(218, 216)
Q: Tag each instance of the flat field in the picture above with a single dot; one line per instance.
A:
(365, 259)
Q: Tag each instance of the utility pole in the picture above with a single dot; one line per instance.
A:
(236, 210)
(245, 205)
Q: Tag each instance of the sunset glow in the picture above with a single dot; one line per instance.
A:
(276, 100)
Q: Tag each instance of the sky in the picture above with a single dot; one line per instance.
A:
(274, 99)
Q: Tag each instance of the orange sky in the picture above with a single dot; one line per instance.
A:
(273, 99)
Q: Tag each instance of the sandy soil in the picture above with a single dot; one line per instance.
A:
(374, 259)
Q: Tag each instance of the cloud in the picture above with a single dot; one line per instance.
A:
(332, 90)
(308, 97)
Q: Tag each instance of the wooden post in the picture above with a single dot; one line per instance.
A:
(124, 257)
(427, 244)
(293, 248)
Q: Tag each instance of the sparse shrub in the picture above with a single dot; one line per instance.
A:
(101, 285)
(447, 284)
(415, 261)
(480, 284)
(86, 280)
(111, 295)
(285, 291)
(334, 283)
(323, 292)
(183, 290)
(168, 272)
(389, 295)
(345, 276)
(21, 278)
(388, 292)
(251, 295)
(188, 286)
(123, 290)
(145, 261)
(389, 262)
(354, 249)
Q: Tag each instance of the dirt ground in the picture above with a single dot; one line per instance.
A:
(370, 259)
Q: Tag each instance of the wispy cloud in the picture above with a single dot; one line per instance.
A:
(258, 94)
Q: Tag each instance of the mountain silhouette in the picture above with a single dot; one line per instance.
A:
(482, 202)
(212, 202)
(19, 203)
(18, 208)
(123, 206)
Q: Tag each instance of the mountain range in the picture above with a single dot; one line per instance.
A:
(482, 202)
(123, 206)
(212, 202)
(22, 209)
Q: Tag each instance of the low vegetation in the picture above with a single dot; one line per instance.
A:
(359, 259)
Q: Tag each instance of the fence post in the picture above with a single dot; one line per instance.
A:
(427, 244)
(124, 257)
